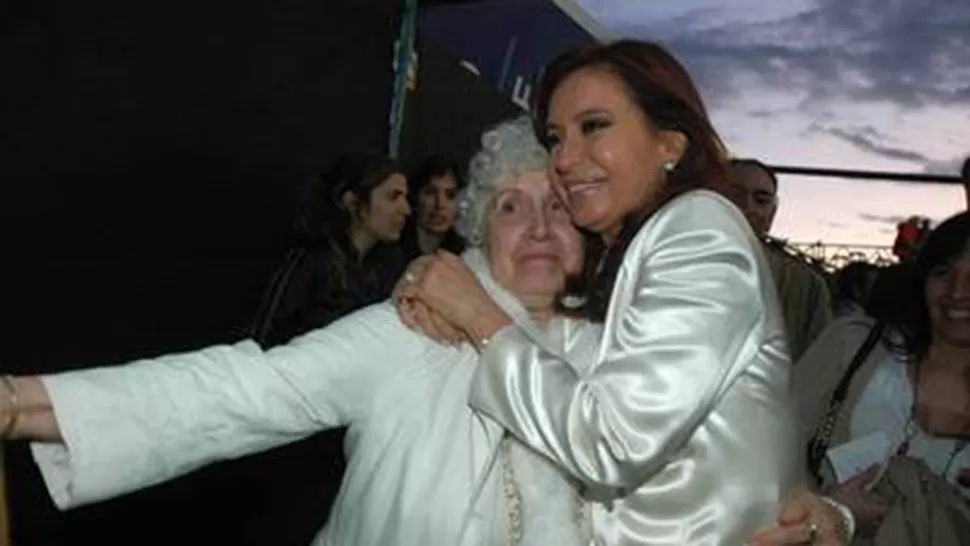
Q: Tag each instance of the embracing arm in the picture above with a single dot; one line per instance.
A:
(128, 427)
(694, 279)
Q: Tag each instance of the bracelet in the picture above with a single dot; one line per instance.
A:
(848, 519)
(14, 402)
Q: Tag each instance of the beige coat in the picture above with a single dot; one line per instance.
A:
(818, 372)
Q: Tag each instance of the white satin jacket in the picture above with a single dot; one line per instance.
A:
(422, 466)
(684, 426)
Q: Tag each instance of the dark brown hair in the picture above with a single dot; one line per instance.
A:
(664, 91)
(326, 219)
(899, 295)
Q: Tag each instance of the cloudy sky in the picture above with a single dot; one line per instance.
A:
(860, 84)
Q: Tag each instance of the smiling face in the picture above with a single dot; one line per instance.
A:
(753, 190)
(532, 244)
(607, 159)
(948, 301)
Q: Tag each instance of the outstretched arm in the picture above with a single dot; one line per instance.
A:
(127, 427)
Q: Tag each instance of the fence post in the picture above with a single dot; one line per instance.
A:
(403, 60)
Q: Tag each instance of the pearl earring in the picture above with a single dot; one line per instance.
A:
(669, 165)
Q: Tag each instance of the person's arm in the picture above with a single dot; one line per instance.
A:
(672, 350)
(128, 427)
(819, 314)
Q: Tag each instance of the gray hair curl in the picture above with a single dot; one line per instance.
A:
(509, 149)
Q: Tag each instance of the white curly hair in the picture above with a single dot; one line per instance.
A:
(509, 149)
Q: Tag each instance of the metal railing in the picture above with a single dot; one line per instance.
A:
(827, 258)
(833, 256)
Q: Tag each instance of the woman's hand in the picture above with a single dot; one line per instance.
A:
(416, 315)
(805, 519)
(452, 294)
(869, 509)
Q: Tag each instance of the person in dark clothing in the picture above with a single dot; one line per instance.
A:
(352, 217)
(432, 190)
(851, 287)
(348, 231)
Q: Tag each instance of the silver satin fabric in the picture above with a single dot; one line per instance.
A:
(684, 428)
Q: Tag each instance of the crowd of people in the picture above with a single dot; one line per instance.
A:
(585, 337)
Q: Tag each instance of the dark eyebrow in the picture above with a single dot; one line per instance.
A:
(582, 114)
(592, 112)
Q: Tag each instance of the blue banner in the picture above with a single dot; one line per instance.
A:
(508, 42)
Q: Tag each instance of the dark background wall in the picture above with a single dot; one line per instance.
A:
(151, 157)
(450, 107)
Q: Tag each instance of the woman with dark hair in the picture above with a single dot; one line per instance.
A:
(885, 399)
(433, 194)
(684, 426)
(358, 204)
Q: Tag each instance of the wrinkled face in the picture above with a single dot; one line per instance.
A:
(948, 301)
(607, 159)
(532, 244)
(437, 205)
(753, 191)
(385, 215)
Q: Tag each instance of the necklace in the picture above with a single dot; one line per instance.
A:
(513, 502)
(912, 428)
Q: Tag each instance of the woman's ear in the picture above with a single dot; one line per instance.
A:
(673, 145)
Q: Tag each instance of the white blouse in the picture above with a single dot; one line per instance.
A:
(884, 408)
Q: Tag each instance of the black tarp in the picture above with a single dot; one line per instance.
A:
(152, 155)
(450, 107)
(151, 158)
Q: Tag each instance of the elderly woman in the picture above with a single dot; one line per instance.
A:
(423, 467)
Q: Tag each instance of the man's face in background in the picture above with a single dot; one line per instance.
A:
(753, 190)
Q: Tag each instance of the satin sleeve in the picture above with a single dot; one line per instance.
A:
(676, 338)
(135, 425)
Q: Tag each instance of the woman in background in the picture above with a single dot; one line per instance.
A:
(433, 189)
(358, 204)
(884, 399)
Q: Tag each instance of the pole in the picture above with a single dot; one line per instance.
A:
(403, 58)
(868, 175)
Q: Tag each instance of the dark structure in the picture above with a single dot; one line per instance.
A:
(152, 156)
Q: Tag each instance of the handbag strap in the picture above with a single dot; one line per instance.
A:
(819, 443)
